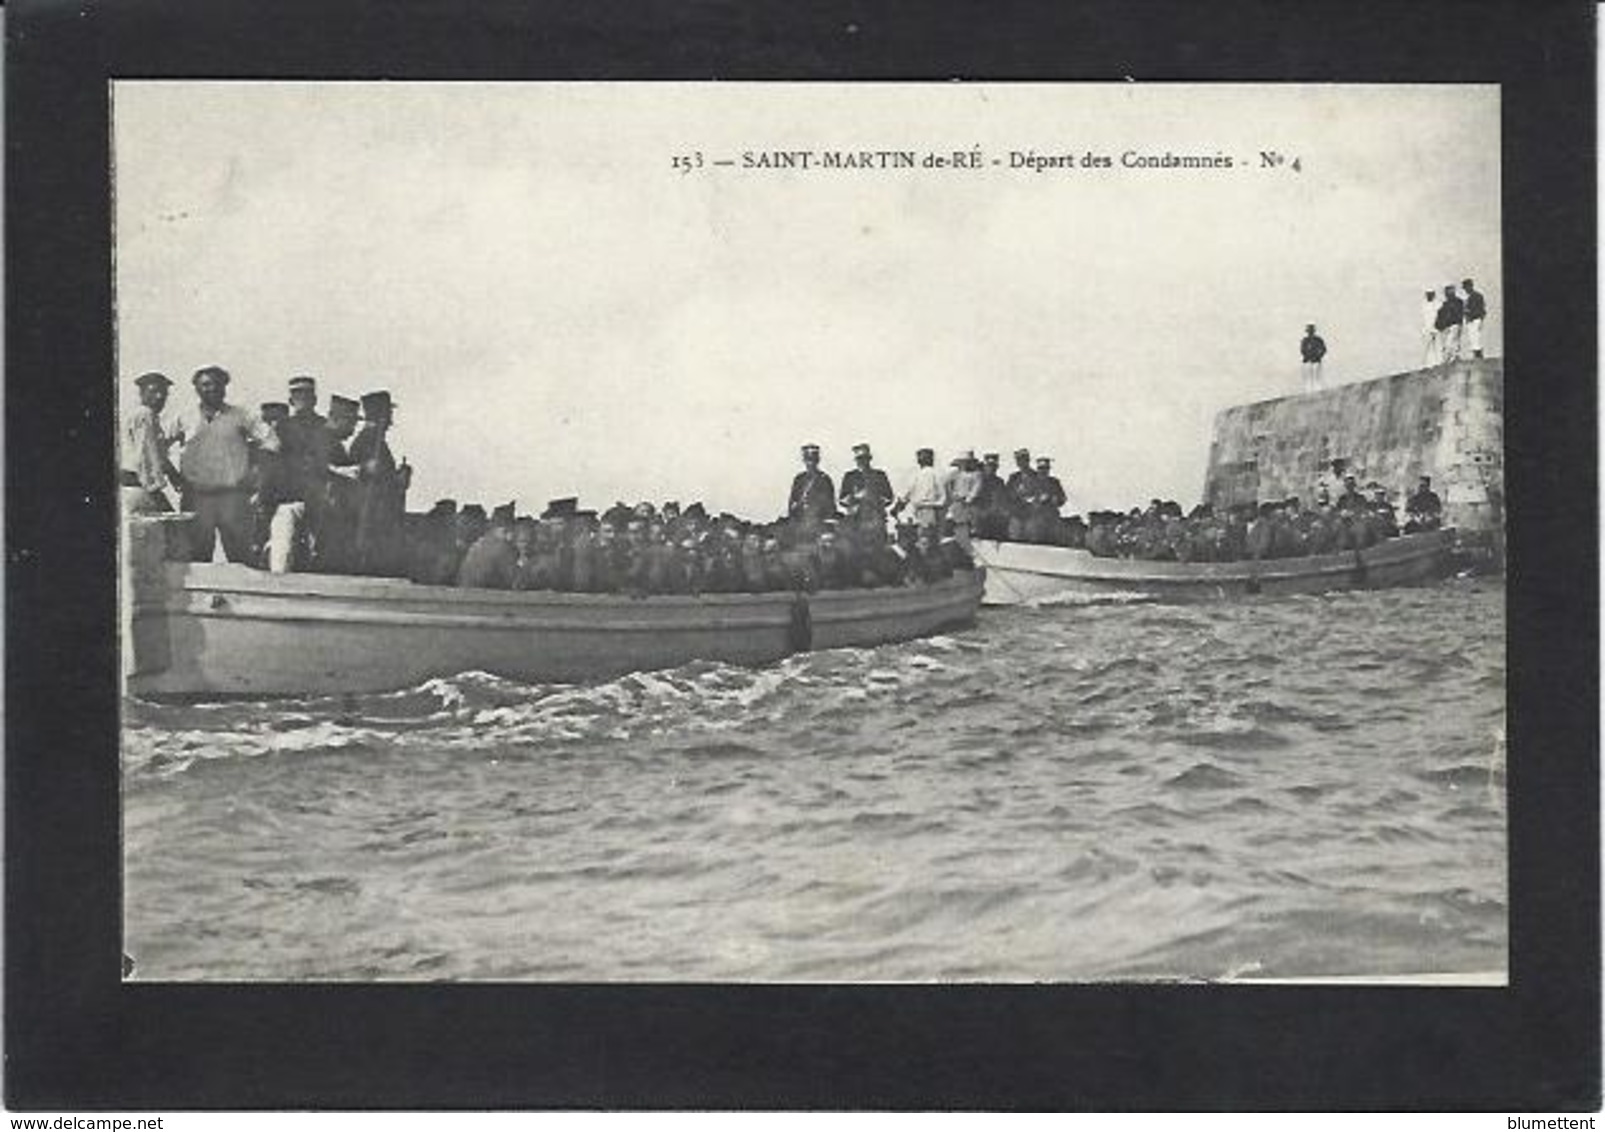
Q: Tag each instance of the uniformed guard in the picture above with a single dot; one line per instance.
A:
(335, 544)
(1047, 498)
(1020, 490)
(991, 505)
(306, 444)
(866, 493)
(383, 483)
(812, 499)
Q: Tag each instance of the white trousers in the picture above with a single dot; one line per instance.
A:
(1312, 377)
(286, 531)
(1451, 343)
(1434, 354)
(1473, 344)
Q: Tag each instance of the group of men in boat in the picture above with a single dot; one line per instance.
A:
(1280, 529)
(281, 487)
(970, 500)
(287, 488)
(650, 549)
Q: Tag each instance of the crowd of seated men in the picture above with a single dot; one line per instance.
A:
(647, 549)
(1285, 529)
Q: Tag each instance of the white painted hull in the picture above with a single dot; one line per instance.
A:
(1022, 574)
(206, 630)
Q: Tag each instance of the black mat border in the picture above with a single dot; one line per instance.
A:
(76, 1038)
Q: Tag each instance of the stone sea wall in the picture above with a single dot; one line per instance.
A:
(1446, 422)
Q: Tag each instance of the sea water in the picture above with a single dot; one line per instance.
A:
(1294, 787)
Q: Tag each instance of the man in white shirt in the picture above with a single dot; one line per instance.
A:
(146, 471)
(963, 493)
(217, 439)
(926, 493)
(1429, 331)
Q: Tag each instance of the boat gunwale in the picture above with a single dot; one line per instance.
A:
(257, 583)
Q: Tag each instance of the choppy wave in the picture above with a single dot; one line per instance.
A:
(1084, 791)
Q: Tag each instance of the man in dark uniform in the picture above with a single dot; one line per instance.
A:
(1476, 309)
(1019, 491)
(383, 497)
(1450, 315)
(812, 499)
(335, 547)
(1312, 349)
(866, 493)
(1047, 497)
(1423, 511)
(305, 444)
(992, 516)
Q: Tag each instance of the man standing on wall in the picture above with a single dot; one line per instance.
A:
(1312, 349)
(1476, 309)
(1429, 331)
(1450, 315)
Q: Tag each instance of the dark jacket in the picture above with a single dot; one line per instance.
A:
(1312, 348)
(813, 496)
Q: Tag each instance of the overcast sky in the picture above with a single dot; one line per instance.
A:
(557, 311)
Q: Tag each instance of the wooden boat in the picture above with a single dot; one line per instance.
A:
(1024, 574)
(208, 630)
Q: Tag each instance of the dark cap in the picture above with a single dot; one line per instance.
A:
(810, 449)
(444, 507)
(925, 452)
(345, 404)
(561, 508)
(861, 450)
(216, 372)
(275, 409)
(153, 378)
(472, 510)
(503, 513)
(303, 382)
(1026, 452)
(378, 404)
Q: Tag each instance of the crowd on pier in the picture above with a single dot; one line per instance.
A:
(287, 488)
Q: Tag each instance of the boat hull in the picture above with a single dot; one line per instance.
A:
(215, 630)
(1023, 574)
